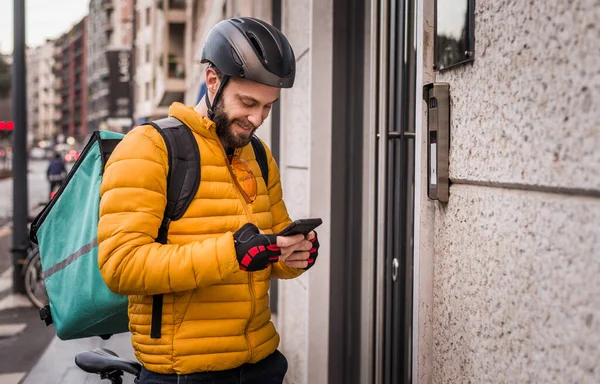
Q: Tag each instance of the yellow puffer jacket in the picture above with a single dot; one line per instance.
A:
(215, 316)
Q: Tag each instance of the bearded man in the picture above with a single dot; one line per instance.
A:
(213, 271)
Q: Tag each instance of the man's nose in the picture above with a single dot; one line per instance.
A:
(255, 118)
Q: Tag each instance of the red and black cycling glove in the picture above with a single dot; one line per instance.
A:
(254, 250)
(314, 252)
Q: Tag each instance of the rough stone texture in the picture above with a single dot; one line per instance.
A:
(526, 111)
(517, 287)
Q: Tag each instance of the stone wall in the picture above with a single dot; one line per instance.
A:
(517, 248)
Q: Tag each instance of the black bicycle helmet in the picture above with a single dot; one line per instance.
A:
(249, 48)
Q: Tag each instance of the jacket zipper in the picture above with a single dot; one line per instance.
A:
(251, 286)
(249, 217)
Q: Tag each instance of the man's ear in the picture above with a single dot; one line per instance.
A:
(212, 80)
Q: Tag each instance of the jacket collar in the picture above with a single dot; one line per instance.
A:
(197, 123)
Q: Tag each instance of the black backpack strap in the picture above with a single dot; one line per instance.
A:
(183, 181)
(261, 158)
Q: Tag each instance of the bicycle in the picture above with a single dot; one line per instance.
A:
(35, 287)
(107, 364)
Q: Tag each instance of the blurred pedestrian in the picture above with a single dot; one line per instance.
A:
(56, 173)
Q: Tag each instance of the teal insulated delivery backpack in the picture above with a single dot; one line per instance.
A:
(66, 231)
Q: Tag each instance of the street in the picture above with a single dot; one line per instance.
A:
(38, 189)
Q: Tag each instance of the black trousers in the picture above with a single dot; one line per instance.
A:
(54, 184)
(270, 370)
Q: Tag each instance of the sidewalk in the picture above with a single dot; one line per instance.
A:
(23, 337)
(57, 364)
(29, 351)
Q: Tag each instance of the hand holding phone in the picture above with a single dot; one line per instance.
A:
(300, 253)
(301, 227)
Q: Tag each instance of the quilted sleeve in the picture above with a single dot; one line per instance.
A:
(133, 200)
(281, 219)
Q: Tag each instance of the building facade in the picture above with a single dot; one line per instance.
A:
(160, 71)
(41, 94)
(71, 75)
(110, 36)
(33, 96)
(47, 127)
(499, 282)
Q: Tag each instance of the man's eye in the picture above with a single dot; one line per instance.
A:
(247, 104)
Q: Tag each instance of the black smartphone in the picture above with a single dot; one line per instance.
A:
(301, 226)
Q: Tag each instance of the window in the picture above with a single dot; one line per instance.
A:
(148, 16)
(454, 40)
(147, 53)
(147, 91)
(138, 20)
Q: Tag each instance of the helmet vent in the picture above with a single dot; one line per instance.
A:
(257, 46)
(237, 20)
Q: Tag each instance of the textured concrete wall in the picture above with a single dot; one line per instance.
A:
(516, 288)
(524, 112)
(517, 293)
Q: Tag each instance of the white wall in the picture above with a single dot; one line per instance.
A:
(306, 168)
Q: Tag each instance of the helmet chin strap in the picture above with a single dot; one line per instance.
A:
(211, 111)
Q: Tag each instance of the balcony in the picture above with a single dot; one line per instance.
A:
(176, 11)
(107, 5)
(108, 28)
(176, 67)
(177, 4)
(176, 51)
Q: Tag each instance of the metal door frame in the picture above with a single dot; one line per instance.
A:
(378, 117)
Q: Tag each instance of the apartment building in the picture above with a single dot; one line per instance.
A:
(162, 30)
(41, 82)
(33, 100)
(70, 69)
(110, 34)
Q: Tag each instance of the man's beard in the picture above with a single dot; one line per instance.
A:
(225, 130)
